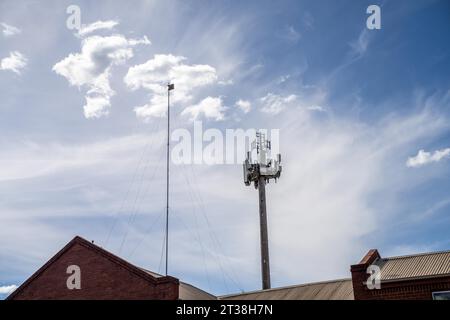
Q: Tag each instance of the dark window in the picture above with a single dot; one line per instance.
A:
(442, 295)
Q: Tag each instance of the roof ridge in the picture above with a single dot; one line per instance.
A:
(122, 262)
(91, 246)
(416, 255)
(286, 287)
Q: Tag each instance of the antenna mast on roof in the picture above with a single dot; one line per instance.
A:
(170, 86)
(259, 172)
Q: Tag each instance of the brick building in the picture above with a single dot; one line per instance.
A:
(417, 276)
(103, 275)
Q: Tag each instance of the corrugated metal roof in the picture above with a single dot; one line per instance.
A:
(189, 292)
(414, 266)
(424, 265)
(327, 290)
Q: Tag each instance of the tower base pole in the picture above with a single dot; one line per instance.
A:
(265, 268)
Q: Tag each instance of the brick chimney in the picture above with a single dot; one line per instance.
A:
(360, 275)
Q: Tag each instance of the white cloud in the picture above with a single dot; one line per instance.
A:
(7, 289)
(155, 109)
(64, 171)
(244, 105)
(15, 62)
(228, 82)
(92, 67)
(210, 107)
(360, 45)
(9, 31)
(308, 20)
(96, 106)
(98, 25)
(283, 78)
(274, 104)
(30, 159)
(154, 75)
(316, 108)
(423, 158)
(291, 34)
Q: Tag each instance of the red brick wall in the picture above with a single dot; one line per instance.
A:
(101, 278)
(405, 290)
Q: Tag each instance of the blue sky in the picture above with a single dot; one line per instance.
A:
(354, 108)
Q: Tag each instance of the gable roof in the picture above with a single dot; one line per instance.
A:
(146, 276)
(327, 290)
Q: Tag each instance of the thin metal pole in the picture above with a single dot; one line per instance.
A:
(167, 181)
(265, 266)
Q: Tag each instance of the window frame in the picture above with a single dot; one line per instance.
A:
(438, 292)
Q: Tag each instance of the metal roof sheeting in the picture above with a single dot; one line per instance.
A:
(414, 266)
(328, 290)
(189, 292)
(424, 265)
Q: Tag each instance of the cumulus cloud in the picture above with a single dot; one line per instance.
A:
(98, 25)
(8, 30)
(154, 75)
(244, 105)
(423, 157)
(91, 68)
(15, 62)
(7, 289)
(210, 107)
(274, 104)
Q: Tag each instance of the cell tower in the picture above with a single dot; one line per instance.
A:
(259, 172)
